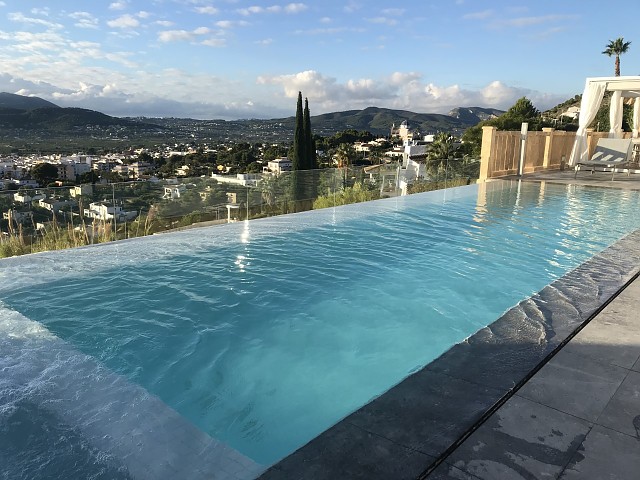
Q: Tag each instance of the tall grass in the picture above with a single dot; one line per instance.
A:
(54, 237)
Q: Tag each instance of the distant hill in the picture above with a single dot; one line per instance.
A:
(34, 121)
(380, 120)
(57, 119)
(21, 102)
(475, 115)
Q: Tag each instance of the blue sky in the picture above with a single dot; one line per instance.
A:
(248, 59)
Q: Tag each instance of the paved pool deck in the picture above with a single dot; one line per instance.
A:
(550, 390)
(579, 415)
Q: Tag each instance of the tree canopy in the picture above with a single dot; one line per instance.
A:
(44, 173)
(523, 111)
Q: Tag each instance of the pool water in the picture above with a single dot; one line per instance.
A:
(263, 334)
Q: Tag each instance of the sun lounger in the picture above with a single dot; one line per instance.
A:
(610, 154)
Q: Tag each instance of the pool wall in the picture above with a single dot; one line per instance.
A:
(408, 431)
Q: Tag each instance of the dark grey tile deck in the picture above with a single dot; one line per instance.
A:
(445, 471)
(575, 384)
(427, 412)
(346, 451)
(623, 411)
(605, 454)
(609, 342)
(523, 439)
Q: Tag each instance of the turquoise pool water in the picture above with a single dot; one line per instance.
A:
(263, 334)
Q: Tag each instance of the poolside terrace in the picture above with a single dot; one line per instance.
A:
(549, 390)
(578, 416)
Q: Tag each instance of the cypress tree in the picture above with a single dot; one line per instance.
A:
(309, 162)
(299, 153)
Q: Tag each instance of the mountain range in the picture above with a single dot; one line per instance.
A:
(33, 118)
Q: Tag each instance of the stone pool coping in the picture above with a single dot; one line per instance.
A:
(410, 429)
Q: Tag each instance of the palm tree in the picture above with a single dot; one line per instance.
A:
(440, 150)
(344, 154)
(617, 47)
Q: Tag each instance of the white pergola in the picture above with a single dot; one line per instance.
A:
(594, 90)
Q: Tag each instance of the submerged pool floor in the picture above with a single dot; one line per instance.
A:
(264, 334)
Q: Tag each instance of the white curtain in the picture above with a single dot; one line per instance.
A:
(636, 117)
(591, 99)
(615, 115)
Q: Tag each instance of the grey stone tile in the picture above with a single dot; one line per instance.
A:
(623, 411)
(636, 366)
(346, 451)
(574, 384)
(427, 411)
(446, 471)
(621, 311)
(605, 454)
(523, 439)
(608, 341)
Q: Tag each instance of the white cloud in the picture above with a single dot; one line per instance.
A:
(400, 90)
(295, 7)
(19, 17)
(175, 36)
(214, 42)
(250, 10)
(84, 20)
(266, 41)
(478, 15)
(2, 4)
(290, 8)
(527, 21)
(383, 21)
(124, 22)
(40, 11)
(164, 23)
(394, 12)
(143, 14)
(226, 24)
(352, 6)
(120, 5)
(207, 10)
(193, 36)
(325, 20)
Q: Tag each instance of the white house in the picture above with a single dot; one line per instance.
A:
(53, 204)
(413, 151)
(18, 217)
(174, 191)
(102, 211)
(81, 190)
(572, 112)
(183, 171)
(19, 197)
(242, 179)
(69, 169)
(408, 175)
(278, 166)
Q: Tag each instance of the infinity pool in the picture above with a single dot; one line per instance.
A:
(255, 337)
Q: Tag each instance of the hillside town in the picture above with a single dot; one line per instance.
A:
(200, 182)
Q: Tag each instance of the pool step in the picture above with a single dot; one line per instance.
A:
(119, 418)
